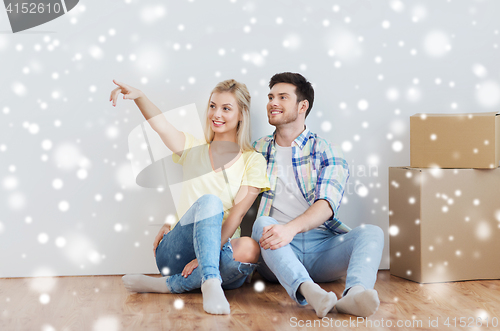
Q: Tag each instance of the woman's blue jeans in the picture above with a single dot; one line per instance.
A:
(198, 236)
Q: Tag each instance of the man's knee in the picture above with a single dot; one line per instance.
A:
(259, 225)
(246, 250)
(371, 233)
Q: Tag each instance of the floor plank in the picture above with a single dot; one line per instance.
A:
(102, 303)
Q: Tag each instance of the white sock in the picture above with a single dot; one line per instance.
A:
(319, 299)
(214, 300)
(359, 302)
(142, 283)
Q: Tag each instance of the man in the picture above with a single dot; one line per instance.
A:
(302, 241)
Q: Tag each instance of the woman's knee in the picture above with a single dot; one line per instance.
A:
(259, 224)
(246, 250)
(210, 205)
(210, 199)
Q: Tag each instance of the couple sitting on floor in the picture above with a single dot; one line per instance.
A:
(296, 239)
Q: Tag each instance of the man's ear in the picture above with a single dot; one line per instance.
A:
(303, 106)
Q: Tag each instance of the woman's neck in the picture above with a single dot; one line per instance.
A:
(227, 136)
(225, 144)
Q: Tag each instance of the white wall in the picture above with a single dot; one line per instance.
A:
(56, 124)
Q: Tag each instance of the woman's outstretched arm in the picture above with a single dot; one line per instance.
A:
(171, 137)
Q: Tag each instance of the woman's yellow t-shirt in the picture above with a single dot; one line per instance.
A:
(199, 178)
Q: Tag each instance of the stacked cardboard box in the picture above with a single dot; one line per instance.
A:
(445, 209)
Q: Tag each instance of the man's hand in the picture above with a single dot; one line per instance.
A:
(164, 230)
(188, 269)
(276, 235)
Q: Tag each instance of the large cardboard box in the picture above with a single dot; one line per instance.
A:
(455, 140)
(444, 224)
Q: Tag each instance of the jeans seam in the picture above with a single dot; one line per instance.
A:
(303, 249)
(334, 247)
(197, 248)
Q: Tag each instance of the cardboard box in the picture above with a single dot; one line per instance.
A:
(444, 224)
(455, 140)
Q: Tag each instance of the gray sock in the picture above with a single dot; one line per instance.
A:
(319, 299)
(142, 283)
(359, 302)
(214, 300)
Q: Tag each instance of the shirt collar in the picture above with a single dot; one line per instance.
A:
(300, 141)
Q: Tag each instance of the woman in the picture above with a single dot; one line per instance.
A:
(221, 181)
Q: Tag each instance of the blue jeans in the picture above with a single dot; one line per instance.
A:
(198, 236)
(322, 256)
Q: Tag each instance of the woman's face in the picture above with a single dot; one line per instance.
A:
(223, 113)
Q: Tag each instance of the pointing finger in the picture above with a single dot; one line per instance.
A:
(121, 85)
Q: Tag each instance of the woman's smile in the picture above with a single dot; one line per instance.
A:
(218, 123)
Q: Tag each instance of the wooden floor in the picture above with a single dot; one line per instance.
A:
(102, 303)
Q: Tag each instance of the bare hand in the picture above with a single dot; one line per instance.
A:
(129, 92)
(275, 236)
(188, 269)
(164, 230)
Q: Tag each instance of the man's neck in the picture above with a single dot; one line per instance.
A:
(286, 134)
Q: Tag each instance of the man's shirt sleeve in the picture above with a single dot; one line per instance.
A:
(332, 177)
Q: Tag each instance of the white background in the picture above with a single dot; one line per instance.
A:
(69, 204)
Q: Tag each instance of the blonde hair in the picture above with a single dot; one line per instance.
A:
(242, 96)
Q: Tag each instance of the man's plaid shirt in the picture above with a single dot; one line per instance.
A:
(320, 170)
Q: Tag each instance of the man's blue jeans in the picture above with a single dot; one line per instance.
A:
(198, 236)
(322, 256)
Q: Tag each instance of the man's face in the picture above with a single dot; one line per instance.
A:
(282, 107)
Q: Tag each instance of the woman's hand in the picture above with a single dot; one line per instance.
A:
(242, 202)
(188, 269)
(164, 230)
(129, 92)
(173, 138)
